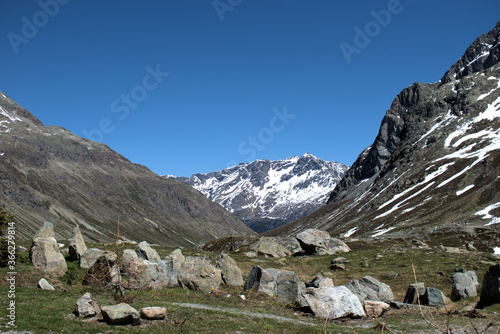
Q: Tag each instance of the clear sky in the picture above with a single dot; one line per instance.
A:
(185, 86)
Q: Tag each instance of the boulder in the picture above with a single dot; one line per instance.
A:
(490, 292)
(341, 260)
(269, 247)
(369, 288)
(89, 257)
(434, 298)
(87, 306)
(197, 273)
(46, 256)
(463, 286)
(288, 287)
(262, 280)
(144, 251)
(44, 285)
(128, 255)
(177, 259)
(333, 303)
(45, 232)
(76, 245)
(104, 272)
(121, 314)
(414, 292)
(230, 272)
(319, 242)
(142, 274)
(374, 309)
(320, 282)
(153, 313)
(338, 266)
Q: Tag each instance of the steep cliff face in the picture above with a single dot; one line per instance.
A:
(435, 160)
(266, 194)
(50, 174)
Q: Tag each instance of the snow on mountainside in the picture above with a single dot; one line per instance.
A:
(266, 194)
(435, 164)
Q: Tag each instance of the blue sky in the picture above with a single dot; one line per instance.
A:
(185, 86)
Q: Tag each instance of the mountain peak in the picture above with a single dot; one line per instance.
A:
(266, 194)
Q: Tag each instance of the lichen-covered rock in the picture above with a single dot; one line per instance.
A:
(153, 313)
(463, 286)
(197, 273)
(121, 314)
(375, 309)
(144, 251)
(288, 287)
(369, 288)
(268, 246)
(76, 245)
(314, 241)
(87, 306)
(231, 273)
(46, 256)
(104, 272)
(333, 303)
(262, 280)
(89, 257)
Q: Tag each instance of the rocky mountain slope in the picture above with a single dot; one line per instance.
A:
(435, 162)
(266, 194)
(49, 174)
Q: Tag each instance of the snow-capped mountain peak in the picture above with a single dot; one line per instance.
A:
(266, 194)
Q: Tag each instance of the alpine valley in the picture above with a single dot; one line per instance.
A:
(266, 194)
(49, 174)
(433, 167)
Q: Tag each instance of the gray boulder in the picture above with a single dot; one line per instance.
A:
(76, 245)
(490, 292)
(320, 282)
(320, 242)
(89, 257)
(143, 274)
(333, 303)
(87, 306)
(369, 288)
(197, 273)
(44, 285)
(46, 256)
(463, 286)
(434, 298)
(270, 247)
(144, 251)
(414, 292)
(121, 314)
(177, 259)
(288, 287)
(231, 273)
(104, 272)
(262, 280)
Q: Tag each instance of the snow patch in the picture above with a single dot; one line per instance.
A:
(384, 231)
(460, 192)
(351, 232)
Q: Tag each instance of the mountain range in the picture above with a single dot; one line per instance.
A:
(266, 194)
(49, 174)
(434, 164)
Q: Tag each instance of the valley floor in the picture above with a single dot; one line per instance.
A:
(225, 311)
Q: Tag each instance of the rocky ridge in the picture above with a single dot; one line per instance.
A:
(435, 161)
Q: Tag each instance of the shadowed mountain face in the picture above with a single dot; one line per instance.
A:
(50, 174)
(435, 161)
(266, 194)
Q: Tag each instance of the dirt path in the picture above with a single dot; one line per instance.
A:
(242, 312)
